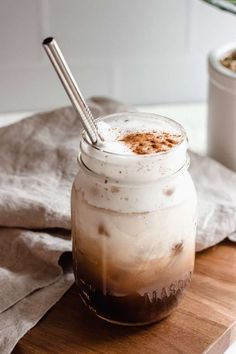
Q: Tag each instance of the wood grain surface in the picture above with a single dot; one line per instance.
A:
(205, 322)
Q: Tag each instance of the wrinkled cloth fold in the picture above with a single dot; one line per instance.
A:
(38, 162)
(216, 192)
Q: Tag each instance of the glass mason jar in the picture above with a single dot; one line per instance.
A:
(133, 229)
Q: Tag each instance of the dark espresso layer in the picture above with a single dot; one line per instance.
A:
(152, 306)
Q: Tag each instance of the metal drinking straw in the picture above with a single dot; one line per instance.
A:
(58, 61)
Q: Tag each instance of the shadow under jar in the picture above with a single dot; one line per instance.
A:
(133, 226)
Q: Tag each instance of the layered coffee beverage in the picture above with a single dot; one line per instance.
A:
(134, 219)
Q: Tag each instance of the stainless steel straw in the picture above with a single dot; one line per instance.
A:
(58, 61)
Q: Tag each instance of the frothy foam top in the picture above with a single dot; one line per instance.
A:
(128, 134)
(125, 180)
(163, 151)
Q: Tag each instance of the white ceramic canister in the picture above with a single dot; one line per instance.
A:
(222, 108)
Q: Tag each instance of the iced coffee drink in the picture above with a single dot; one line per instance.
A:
(134, 219)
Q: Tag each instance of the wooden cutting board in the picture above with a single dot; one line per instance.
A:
(205, 322)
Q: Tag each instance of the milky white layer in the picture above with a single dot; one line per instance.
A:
(143, 236)
(135, 242)
(134, 197)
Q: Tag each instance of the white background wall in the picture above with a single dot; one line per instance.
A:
(139, 51)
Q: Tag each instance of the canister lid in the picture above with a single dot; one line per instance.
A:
(219, 74)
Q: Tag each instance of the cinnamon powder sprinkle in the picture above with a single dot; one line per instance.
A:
(151, 143)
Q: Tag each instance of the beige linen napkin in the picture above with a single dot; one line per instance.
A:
(216, 190)
(37, 167)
